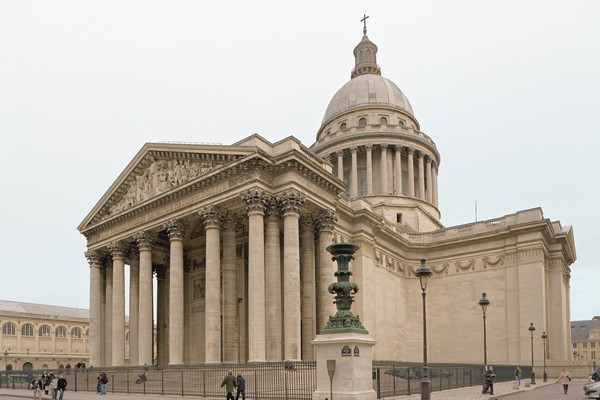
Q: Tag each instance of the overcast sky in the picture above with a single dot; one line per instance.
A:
(508, 90)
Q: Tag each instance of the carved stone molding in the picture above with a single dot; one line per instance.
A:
(440, 268)
(465, 264)
(493, 260)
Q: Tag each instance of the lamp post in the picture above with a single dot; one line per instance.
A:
(424, 273)
(531, 329)
(544, 337)
(484, 302)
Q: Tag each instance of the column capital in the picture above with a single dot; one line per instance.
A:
(291, 202)
(410, 150)
(428, 159)
(175, 228)
(117, 249)
(383, 146)
(339, 153)
(231, 221)
(368, 147)
(255, 199)
(95, 258)
(212, 217)
(326, 220)
(354, 149)
(144, 240)
(272, 207)
(307, 223)
(398, 148)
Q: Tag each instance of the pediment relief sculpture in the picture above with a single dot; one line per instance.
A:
(159, 177)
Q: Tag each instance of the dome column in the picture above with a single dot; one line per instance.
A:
(421, 175)
(398, 170)
(383, 169)
(429, 180)
(369, 149)
(340, 164)
(411, 172)
(435, 184)
(354, 174)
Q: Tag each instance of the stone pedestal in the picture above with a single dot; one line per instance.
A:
(353, 355)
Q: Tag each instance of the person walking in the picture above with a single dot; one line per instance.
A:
(240, 382)
(489, 376)
(103, 382)
(61, 386)
(37, 385)
(565, 379)
(229, 383)
(518, 375)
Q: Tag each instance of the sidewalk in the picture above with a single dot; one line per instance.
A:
(501, 390)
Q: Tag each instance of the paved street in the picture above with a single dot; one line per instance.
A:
(504, 390)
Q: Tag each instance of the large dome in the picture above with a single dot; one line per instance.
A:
(367, 90)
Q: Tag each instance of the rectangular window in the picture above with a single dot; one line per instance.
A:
(593, 344)
(585, 345)
(593, 355)
(574, 345)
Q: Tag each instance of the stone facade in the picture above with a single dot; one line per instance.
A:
(236, 237)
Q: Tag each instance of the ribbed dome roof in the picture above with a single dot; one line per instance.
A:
(367, 90)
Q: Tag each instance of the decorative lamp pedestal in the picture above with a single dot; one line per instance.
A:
(353, 355)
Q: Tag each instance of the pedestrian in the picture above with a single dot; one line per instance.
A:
(518, 375)
(61, 386)
(37, 386)
(489, 380)
(240, 382)
(103, 382)
(565, 379)
(54, 386)
(97, 382)
(229, 383)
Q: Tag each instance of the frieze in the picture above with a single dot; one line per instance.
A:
(493, 260)
(465, 264)
(440, 268)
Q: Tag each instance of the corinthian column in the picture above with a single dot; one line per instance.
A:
(383, 169)
(429, 180)
(291, 203)
(325, 308)
(307, 279)
(176, 231)
(411, 172)
(354, 173)
(369, 148)
(212, 324)
(273, 306)
(398, 170)
(117, 251)
(230, 332)
(421, 176)
(435, 185)
(93, 258)
(134, 304)
(144, 241)
(255, 205)
(108, 314)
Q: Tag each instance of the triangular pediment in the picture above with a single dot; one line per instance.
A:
(158, 169)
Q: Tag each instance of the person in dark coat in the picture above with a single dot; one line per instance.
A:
(61, 386)
(229, 383)
(489, 376)
(240, 383)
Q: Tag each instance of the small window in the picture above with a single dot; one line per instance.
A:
(127, 336)
(383, 121)
(44, 331)
(574, 345)
(362, 122)
(27, 330)
(9, 329)
(593, 344)
(593, 355)
(76, 333)
(61, 332)
(399, 218)
(342, 126)
(585, 345)
(87, 334)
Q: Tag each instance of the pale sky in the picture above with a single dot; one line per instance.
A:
(508, 90)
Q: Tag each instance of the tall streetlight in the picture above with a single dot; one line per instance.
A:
(531, 329)
(424, 273)
(544, 337)
(484, 302)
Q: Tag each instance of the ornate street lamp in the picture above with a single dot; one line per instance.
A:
(424, 273)
(531, 329)
(484, 302)
(544, 337)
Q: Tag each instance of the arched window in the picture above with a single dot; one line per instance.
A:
(342, 125)
(87, 334)
(362, 122)
(61, 332)
(27, 330)
(76, 333)
(383, 121)
(9, 329)
(127, 336)
(44, 331)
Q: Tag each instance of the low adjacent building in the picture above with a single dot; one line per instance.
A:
(585, 336)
